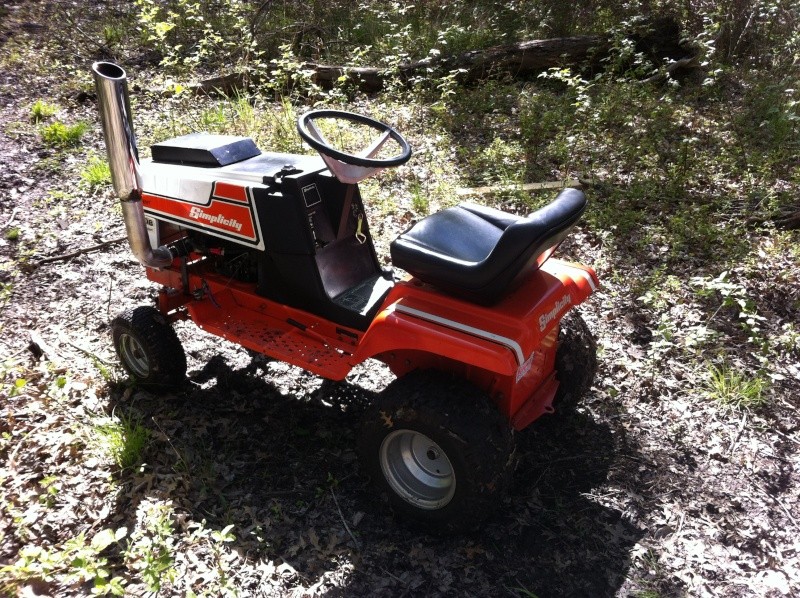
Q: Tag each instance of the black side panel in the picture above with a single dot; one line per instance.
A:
(309, 263)
(284, 223)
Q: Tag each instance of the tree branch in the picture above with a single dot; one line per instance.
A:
(77, 252)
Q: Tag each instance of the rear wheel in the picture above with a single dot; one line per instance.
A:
(439, 449)
(576, 361)
(148, 348)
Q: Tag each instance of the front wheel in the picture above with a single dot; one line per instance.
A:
(439, 449)
(148, 348)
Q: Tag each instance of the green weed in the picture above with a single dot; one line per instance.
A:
(60, 135)
(420, 202)
(124, 439)
(733, 388)
(96, 172)
(77, 562)
(789, 338)
(6, 291)
(151, 548)
(522, 591)
(12, 234)
(51, 488)
(112, 35)
(41, 111)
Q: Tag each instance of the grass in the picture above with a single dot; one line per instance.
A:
(96, 172)
(58, 134)
(733, 388)
(123, 439)
(41, 111)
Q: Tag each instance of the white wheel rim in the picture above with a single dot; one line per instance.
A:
(417, 469)
(133, 355)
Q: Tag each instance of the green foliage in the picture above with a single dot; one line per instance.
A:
(50, 487)
(96, 172)
(734, 296)
(151, 548)
(191, 33)
(758, 32)
(60, 135)
(41, 111)
(77, 562)
(420, 202)
(12, 234)
(122, 438)
(6, 290)
(733, 388)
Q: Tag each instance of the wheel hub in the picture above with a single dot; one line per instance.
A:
(417, 469)
(134, 356)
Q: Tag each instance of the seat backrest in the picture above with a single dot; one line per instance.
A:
(528, 237)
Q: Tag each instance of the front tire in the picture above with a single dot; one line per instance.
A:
(148, 348)
(439, 449)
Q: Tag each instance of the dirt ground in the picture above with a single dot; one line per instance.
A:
(645, 489)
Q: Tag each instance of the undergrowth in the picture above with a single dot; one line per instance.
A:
(689, 185)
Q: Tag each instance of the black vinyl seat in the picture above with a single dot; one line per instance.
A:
(476, 252)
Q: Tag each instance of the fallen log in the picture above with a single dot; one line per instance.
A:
(519, 59)
(660, 40)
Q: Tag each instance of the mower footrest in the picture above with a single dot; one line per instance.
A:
(285, 341)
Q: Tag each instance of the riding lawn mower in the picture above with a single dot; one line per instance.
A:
(273, 251)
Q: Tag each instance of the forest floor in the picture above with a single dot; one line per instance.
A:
(247, 482)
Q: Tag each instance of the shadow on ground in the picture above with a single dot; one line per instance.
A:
(241, 447)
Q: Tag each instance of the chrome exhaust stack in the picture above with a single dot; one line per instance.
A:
(111, 85)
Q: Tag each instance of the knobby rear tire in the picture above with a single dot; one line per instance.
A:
(439, 449)
(576, 362)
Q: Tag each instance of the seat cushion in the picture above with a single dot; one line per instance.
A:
(477, 252)
(456, 233)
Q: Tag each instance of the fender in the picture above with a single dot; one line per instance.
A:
(508, 349)
(499, 338)
(397, 330)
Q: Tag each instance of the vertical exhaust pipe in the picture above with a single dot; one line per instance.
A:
(111, 85)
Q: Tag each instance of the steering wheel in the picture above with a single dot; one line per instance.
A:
(349, 168)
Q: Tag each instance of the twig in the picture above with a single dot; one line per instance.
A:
(344, 522)
(77, 252)
(11, 218)
(39, 347)
(526, 187)
(36, 375)
(393, 576)
(17, 352)
(108, 304)
(775, 500)
(738, 434)
(167, 438)
(12, 458)
(91, 355)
